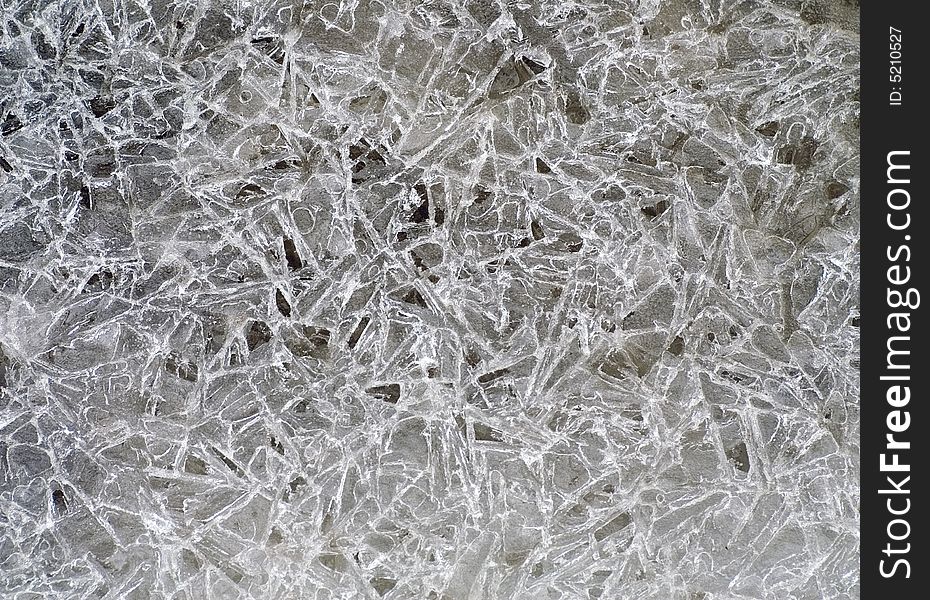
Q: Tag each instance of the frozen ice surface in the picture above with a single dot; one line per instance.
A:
(435, 300)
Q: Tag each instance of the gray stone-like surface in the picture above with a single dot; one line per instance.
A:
(439, 300)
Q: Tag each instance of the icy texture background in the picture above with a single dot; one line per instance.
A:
(429, 300)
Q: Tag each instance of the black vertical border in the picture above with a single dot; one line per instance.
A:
(885, 128)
